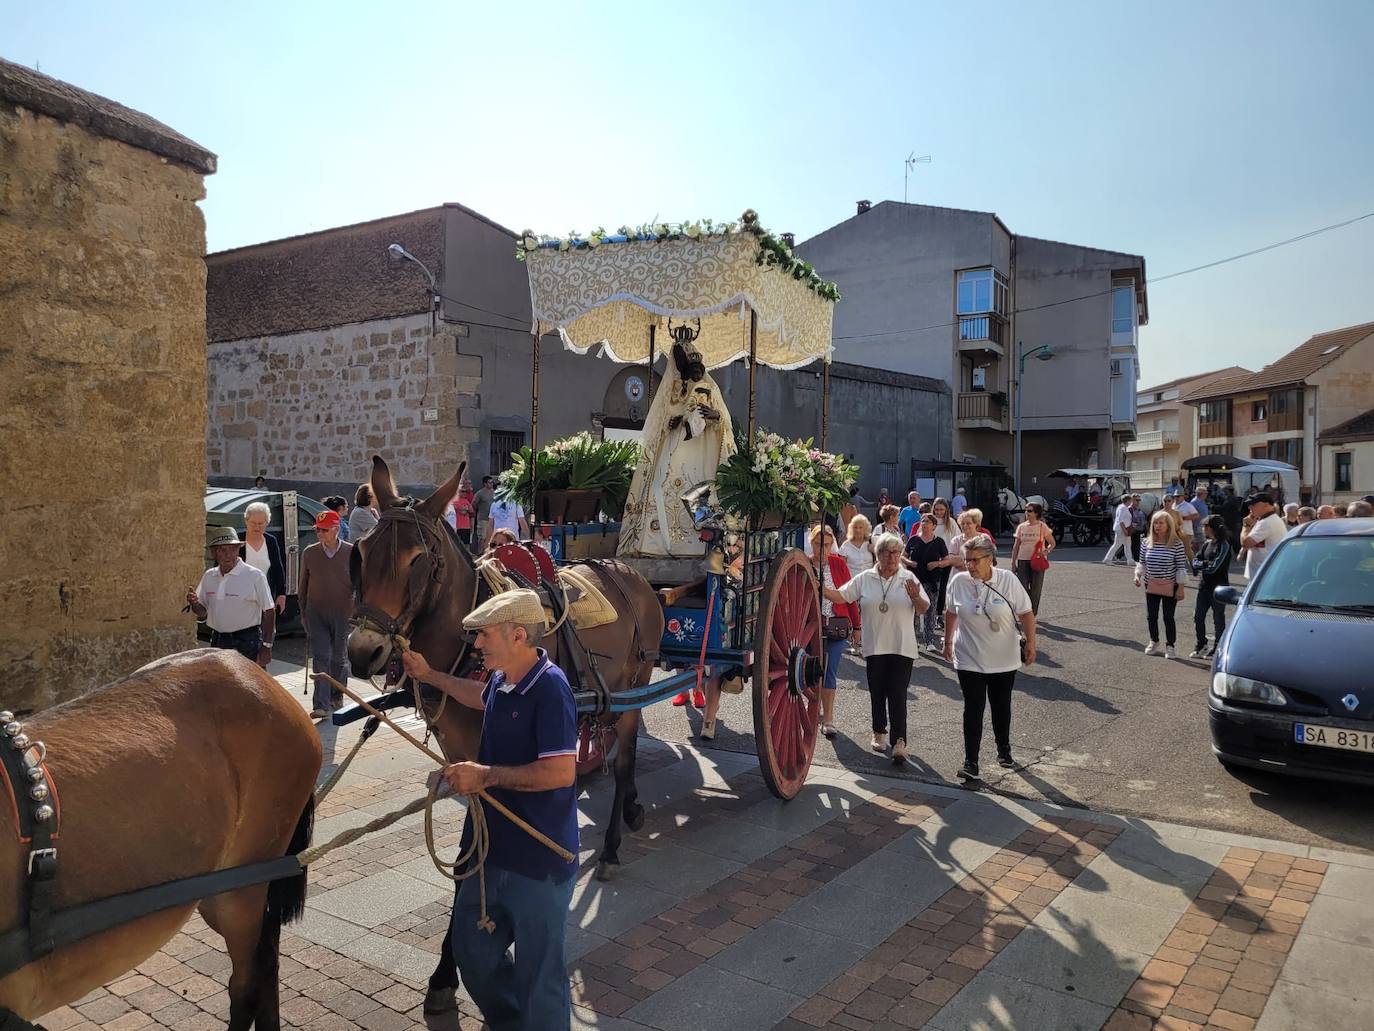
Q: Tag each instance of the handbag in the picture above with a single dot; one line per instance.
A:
(1039, 561)
(837, 628)
(1164, 588)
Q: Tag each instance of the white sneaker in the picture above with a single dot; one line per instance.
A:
(1152, 648)
(1198, 653)
(880, 742)
(1169, 652)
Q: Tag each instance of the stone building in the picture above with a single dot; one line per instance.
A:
(324, 351)
(102, 387)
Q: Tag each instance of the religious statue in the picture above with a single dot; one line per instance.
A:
(687, 435)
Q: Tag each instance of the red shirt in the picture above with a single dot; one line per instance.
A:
(839, 574)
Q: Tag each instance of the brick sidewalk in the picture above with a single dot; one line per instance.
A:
(864, 903)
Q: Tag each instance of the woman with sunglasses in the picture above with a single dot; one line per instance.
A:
(983, 607)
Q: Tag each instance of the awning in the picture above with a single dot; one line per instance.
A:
(1074, 474)
(608, 295)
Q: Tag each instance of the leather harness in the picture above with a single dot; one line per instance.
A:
(32, 798)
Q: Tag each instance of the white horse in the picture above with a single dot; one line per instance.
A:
(1014, 506)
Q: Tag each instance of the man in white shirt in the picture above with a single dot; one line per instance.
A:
(506, 515)
(1192, 520)
(234, 600)
(1121, 542)
(1268, 529)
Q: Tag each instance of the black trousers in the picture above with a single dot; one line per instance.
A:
(247, 642)
(888, 678)
(980, 690)
(1135, 547)
(1152, 607)
(1205, 602)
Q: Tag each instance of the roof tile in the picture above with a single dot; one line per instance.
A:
(1294, 367)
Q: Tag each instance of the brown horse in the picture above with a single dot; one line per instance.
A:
(194, 763)
(416, 580)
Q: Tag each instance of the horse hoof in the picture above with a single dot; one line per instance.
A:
(635, 820)
(441, 1000)
(605, 871)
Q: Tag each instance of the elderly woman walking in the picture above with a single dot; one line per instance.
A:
(889, 522)
(857, 549)
(1162, 570)
(890, 598)
(970, 526)
(840, 624)
(1032, 546)
(985, 604)
(261, 551)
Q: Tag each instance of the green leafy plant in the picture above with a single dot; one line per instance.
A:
(579, 462)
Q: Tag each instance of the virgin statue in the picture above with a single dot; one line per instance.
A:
(686, 437)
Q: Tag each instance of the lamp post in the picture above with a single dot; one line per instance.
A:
(1043, 353)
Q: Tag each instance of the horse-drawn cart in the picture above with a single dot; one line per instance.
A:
(748, 608)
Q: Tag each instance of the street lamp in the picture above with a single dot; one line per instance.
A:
(1043, 353)
(398, 254)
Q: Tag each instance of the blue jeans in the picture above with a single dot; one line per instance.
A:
(531, 993)
(834, 652)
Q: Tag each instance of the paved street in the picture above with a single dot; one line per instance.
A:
(1096, 724)
(1165, 896)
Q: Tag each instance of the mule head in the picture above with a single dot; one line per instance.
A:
(401, 571)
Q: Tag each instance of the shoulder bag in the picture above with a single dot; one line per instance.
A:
(1039, 560)
(1020, 634)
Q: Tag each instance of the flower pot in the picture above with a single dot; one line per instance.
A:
(551, 506)
(582, 505)
(770, 520)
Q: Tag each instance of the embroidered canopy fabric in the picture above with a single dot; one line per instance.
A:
(609, 295)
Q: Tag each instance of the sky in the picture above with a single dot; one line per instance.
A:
(1183, 131)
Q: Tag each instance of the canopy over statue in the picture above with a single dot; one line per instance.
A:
(712, 294)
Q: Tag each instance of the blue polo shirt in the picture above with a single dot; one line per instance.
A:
(532, 719)
(908, 518)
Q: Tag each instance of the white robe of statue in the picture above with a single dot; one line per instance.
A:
(686, 437)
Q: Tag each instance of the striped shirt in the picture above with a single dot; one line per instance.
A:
(1162, 562)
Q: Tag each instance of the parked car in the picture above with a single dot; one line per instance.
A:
(1293, 679)
(292, 524)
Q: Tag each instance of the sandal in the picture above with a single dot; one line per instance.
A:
(828, 729)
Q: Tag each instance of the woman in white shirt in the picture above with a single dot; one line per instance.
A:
(261, 551)
(889, 597)
(945, 526)
(857, 549)
(982, 608)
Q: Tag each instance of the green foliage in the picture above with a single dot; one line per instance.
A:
(579, 462)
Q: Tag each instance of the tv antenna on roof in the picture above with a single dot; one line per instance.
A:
(911, 162)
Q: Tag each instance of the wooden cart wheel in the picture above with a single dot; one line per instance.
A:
(1083, 533)
(788, 666)
(595, 742)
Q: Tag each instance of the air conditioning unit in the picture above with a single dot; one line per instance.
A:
(980, 378)
(1116, 366)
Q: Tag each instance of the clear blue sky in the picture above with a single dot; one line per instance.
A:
(1184, 131)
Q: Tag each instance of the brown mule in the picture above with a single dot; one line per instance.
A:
(416, 580)
(194, 763)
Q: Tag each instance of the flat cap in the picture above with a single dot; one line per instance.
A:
(522, 606)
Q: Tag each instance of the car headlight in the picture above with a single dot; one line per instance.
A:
(1243, 689)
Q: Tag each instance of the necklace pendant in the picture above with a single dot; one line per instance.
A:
(882, 606)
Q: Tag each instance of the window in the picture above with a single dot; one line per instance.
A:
(1258, 411)
(887, 477)
(1285, 409)
(1123, 306)
(1116, 366)
(1259, 451)
(503, 443)
(1214, 419)
(1212, 449)
(981, 291)
(1345, 472)
(1289, 451)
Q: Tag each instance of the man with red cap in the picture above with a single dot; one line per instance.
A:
(326, 598)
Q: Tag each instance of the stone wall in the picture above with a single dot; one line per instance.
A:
(309, 409)
(102, 390)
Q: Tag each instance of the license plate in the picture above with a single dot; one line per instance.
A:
(1333, 737)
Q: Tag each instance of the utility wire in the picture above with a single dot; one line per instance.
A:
(524, 325)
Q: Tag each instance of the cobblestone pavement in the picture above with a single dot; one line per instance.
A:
(865, 903)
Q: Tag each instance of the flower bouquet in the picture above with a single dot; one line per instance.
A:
(771, 480)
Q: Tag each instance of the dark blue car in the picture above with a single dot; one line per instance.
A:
(1293, 680)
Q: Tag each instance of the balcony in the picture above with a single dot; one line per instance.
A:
(981, 335)
(1152, 479)
(980, 410)
(1154, 440)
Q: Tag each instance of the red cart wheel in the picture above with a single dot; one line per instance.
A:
(788, 666)
(595, 742)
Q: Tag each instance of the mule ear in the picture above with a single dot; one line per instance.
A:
(383, 487)
(434, 505)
